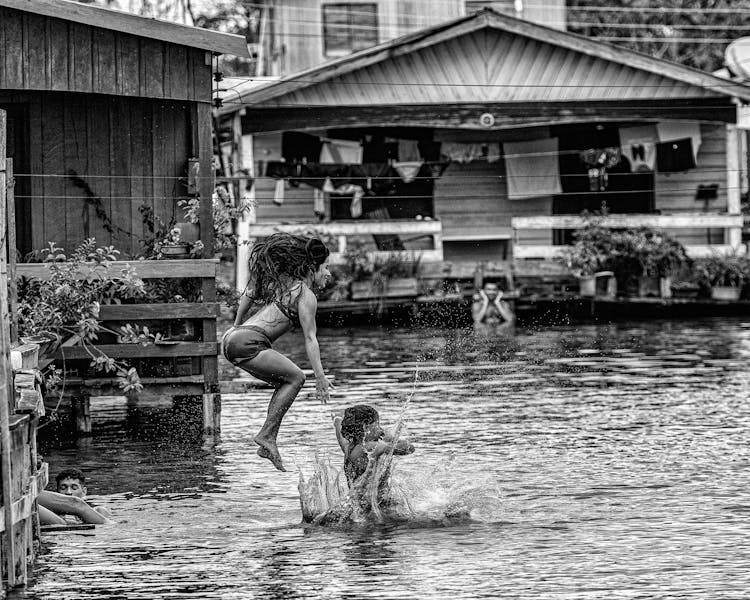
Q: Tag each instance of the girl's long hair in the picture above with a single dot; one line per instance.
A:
(280, 260)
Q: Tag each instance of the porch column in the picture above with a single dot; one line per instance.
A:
(733, 235)
(247, 161)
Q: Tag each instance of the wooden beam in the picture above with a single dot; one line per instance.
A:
(10, 209)
(554, 252)
(203, 149)
(145, 269)
(139, 351)
(508, 115)
(676, 221)
(116, 20)
(350, 227)
(424, 256)
(144, 312)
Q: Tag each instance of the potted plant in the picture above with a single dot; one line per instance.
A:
(724, 276)
(374, 277)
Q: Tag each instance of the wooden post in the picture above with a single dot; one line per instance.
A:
(81, 405)
(5, 446)
(733, 235)
(10, 211)
(203, 150)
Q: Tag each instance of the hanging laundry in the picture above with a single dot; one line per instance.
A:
(532, 168)
(408, 171)
(598, 160)
(341, 152)
(319, 203)
(278, 192)
(675, 156)
(638, 145)
(357, 193)
(670, 131)
(408, 151)
(466, 153)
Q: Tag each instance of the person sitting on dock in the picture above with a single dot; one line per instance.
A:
(284, 270)
(69, 499)
(489, 308)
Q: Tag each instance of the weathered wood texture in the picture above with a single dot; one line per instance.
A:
(466, 115)
(46, 53)
(95, 161)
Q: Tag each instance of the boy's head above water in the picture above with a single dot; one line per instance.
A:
(71, 482)
(360, 422)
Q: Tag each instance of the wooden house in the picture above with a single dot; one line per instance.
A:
(518, 128)
(105, 112)
(298, 34)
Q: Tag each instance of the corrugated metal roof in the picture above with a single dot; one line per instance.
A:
(488, 57)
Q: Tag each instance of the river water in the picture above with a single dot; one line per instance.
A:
(596, 462)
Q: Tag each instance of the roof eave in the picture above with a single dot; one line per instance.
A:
(107, 18)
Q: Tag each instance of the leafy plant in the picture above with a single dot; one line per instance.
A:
(717, 270)
(67, 302)
(225, 214)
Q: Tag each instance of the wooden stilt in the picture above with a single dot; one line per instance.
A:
(211, 414)
(9, 550)
(82, 414)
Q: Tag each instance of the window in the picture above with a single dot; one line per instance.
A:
(349, 27)
(507, 7)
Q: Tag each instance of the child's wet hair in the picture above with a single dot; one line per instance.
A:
(355, 421)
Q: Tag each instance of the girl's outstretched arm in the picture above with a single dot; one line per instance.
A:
(308, 306)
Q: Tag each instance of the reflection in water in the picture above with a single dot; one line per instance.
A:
(603, 461)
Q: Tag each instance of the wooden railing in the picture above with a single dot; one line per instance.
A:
(730, 223)
(343, 229)
(201, 354)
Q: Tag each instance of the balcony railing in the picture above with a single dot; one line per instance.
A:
(408, 229)
(732, 224)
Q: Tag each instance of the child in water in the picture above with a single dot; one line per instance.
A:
(362, 440)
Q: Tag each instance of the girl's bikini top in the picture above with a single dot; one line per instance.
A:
(291, 312)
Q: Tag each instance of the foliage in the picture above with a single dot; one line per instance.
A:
(67, 303)
(691, 32)
(717, 270)
(629, 253)
(225, 214)
(360, 265)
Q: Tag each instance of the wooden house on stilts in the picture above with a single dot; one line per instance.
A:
(490, 135)
(108, 115)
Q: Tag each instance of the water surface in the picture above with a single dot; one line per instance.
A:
(597, 461)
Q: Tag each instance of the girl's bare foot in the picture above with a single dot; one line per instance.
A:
(269, 450)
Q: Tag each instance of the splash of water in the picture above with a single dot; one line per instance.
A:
(382, 496)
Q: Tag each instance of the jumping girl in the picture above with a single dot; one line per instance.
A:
(284, 269)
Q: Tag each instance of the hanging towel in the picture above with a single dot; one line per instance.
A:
(341, 152)
(532, 168)
(319, 203)
(669, 131)
(638, 145)
(408, 171)
(466, 153)
(675, 156)
(278, 192)
(408, 151)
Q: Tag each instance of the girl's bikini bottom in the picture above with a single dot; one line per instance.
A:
(244, 343)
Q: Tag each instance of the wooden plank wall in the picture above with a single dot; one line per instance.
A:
(473, 199)
(45, 53)
(675, 192)
(130, 153)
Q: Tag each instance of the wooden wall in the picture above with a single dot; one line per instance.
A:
(472, 199)
(675, 192)
(45, 53)
(130, 152)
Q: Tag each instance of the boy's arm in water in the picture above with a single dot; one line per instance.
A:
(62, 504)
(401, 446)
(504, 309)
(308, 306)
